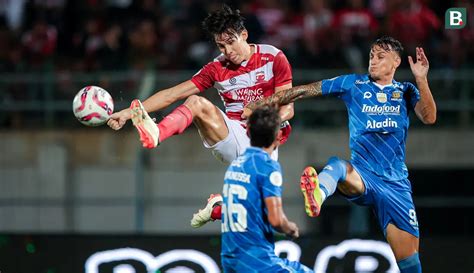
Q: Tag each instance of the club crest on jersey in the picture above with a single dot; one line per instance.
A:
(232, 81)
(381, 97)
(260, 77)
(396, 96)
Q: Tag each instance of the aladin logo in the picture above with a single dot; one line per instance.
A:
(387, 123)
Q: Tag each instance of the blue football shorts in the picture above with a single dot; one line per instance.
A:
(390, 202)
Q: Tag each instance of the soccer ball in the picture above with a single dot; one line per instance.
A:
(92, 106)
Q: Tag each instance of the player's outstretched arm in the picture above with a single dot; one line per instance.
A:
(286, 97)
(277, 218)
(164, 98)
(158, 101)
(287, 111)
(425, 109)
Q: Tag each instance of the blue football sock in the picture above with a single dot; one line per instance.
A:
(410, 265)
(333, 172)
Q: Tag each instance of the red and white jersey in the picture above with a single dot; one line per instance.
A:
(253, 80)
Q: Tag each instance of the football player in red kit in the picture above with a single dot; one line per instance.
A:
(242, 73)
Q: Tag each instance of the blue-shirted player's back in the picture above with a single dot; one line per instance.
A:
(245, 227)
(378, 122)
(247, 236)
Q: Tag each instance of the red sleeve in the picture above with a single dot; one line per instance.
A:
(204, 78)
(282, 70)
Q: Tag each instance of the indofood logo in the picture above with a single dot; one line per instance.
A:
(381, 109)
(364, 255)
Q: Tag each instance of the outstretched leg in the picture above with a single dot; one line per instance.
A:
(206, 116)
(208, 119)
(338, 174)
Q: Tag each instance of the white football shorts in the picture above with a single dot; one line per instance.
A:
(234, 144)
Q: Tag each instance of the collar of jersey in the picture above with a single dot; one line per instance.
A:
(257, 50)
(379, 86)
(253, 149)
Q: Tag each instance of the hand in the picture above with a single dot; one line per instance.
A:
(246, 114)
(294, 231)
(420, 68)
(117, 120)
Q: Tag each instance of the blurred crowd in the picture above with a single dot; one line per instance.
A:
(113, 35)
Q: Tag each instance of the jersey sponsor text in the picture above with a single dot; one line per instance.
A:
(387, 123)
(381, 109)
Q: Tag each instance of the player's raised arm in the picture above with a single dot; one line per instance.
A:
(159, 100)
(277, 218)
(425, 109)
(286, 97)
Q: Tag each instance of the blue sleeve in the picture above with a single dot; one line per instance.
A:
(271, 180)
(339, 86)
(412, 94)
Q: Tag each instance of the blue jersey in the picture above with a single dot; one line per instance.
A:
(247, 236)
(378, 122)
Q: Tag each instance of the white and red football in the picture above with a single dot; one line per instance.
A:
(92, 106)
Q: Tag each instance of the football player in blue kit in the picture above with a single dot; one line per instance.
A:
(252, 205)
(376, 175)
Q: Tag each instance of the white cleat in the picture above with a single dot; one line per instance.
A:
(146, 126)
(204, 215)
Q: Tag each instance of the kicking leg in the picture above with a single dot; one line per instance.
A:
(205, 115)
(208, 119)
(336, 174)
(405, 248)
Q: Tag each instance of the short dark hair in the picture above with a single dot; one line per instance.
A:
(389, 44)
(263, 126)
(223, 21)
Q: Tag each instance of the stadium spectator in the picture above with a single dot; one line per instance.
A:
(356, 26)
(39, 43)
(413, 23)
(299, 28)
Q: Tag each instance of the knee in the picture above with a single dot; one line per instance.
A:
(197, 104)
(335, 160)
(338, 164)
